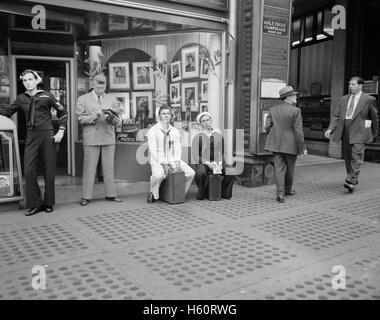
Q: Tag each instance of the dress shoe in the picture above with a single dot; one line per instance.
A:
(349, 186)
(150, 198)
(84, 202)
(280, 199)
(114, 199)
(290, 193)
(33, 211)
(49, 209)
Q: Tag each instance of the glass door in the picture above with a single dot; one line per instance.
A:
(55, 79)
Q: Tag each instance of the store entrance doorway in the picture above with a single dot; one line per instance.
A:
(55, 76)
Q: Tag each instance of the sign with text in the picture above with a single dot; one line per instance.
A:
(276, 21)
(275, 50)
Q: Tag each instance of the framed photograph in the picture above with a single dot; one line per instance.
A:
(174, 92)
(143, 77)
(175, 71)
(176, 112)
(205, 66)
(190, 96)
(123, 100)
(119, 75)
(190, 62)
(204, 90)
(142, 105)
(203, 107)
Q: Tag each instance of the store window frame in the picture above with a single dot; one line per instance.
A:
(318, 34)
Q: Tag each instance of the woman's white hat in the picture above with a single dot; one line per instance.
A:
(199, 116)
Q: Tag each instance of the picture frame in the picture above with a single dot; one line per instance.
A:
(175, 71)
(123, 100)
(176, 112)
(143, 77)
(142, 99)
(175, 94)
(119, 75)
(190, 96)
(205, 68)
(190, 62)
(203, 107)
(204, 90)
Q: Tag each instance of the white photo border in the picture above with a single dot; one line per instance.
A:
(112, 84)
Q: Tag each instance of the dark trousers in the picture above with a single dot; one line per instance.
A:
(353, 154)
(201, 178)
(39, 148)
(284, 164)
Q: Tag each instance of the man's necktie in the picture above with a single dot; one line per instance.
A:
(350, 109)
(100, 100)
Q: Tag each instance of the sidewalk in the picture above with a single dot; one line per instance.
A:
(249, 247)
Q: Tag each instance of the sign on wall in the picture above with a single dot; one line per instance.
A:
(275, 47)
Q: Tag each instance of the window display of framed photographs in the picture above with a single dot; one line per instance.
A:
(123, 100)
(190, 96)
(119, 75)
(142, 105)
(190, 62)
(174, 92)
(175, 71)
(143, 78)
(204, 90)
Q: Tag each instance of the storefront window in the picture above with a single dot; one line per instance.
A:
(146, 71)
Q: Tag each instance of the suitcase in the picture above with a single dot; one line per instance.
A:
(172, 189)
(215, 187)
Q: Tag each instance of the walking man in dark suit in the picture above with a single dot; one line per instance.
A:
(285, 139)
(356, 122)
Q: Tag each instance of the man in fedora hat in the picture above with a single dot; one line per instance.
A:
(285, 139)
(356, 122)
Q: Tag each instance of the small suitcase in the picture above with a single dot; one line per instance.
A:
(214, 187)
(172, 189)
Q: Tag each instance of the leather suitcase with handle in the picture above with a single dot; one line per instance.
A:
(172, 189)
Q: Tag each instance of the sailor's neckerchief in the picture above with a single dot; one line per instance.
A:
(169, 145)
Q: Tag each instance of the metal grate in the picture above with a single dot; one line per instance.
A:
(369, 208)
(209, 260)
(317, 230)
(320, 288)
(35, 243)
(244, 205)
(142, 223)
(89, 279)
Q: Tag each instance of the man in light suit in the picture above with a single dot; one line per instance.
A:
(98, 136)
(356, 122)
(285, 139)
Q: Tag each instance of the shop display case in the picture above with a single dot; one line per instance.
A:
(10, 167)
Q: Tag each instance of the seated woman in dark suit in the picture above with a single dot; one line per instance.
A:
(208, 152)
